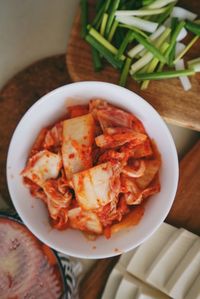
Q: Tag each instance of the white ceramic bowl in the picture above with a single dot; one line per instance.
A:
(34, 213)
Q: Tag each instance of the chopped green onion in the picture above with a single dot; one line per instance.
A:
(98, 6)
(96, 60)
(174, 38)
(84, 17)
(138, 48)
(183, 14)
(160, 3)
(104, 52)
(104, 41)
(186, 49)
(159, 41)
(140, 12)
(114, 7)
(193, 27)
(108, 3)
(184, 79)
(163, 75)
(195, 60)
(160, 67)
(140, 63)
(138, 22)
(153, 64)
(119, 36)
(112, 30)
(147, 2)
(194, 64)
(174, 22)
(125, 71)
(103, 23)
(134, 29)
(161, 18)
(128, 38)
(149, 46)
(97, 20)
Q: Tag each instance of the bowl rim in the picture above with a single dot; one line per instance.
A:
(162, 215)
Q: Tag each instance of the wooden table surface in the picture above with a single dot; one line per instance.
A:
(173, 103)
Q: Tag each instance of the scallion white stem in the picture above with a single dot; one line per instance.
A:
(142, 24)
(184, 79)
(183, 14)
(194, 64)
(160, 3)
(141, 63)
(179, 48)
(140, 12)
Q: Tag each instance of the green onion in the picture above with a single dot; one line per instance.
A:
(96, 60)
(160, 67)
(163, 75)
(160, 3)
(193, 27)
(174, 38)
(149, 46)
(133, 28)
(186, 49)
(97, 20)
(161, 18)
(119, 36)
(194, 64)
(158, 41)
(84, 17)
(140, 12)
(112, 30)
(107, 5)
(98, 6)
(104, 52)
(103, 23)
(125, 71)
(153, 64)
(128, 38)
(103, 41)
(147, 2)
(174, 23)
(114, 7)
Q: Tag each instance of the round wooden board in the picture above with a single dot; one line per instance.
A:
(168, 97)
(16, 97)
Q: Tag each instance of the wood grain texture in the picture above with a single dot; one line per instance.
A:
(185, 211)
(19, 94)
(92, 285)
(166, 96)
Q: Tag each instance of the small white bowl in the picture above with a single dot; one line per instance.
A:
(34, 213)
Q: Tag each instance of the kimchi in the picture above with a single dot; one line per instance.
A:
(94, 169)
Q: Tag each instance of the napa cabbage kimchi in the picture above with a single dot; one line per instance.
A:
(94, 169)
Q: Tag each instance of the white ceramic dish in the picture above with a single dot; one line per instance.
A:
(34, 213)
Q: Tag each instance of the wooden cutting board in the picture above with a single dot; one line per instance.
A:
(166, 96)
(184, 213)
(19, 94)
